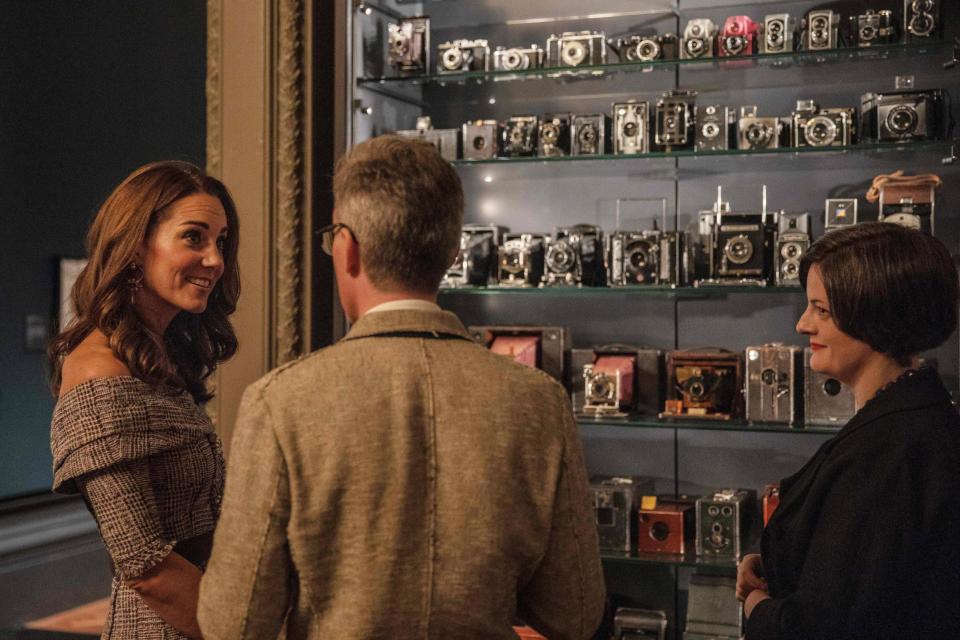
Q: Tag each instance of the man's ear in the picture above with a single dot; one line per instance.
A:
(352, 255)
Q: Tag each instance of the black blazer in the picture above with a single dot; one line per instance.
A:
(866, 540)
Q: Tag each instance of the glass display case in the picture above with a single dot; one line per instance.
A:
(666, 187)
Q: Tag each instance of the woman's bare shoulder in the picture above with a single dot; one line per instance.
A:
(91, 359)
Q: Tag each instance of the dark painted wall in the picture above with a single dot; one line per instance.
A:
(88, 92)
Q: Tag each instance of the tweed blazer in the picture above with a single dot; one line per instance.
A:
(402, 486)
(151, 471)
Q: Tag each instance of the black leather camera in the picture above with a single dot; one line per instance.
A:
(921, 19)
(872, 28)
(898, 116)
(521, 260)
(477, 259)
(816, 127)
(742, 248)
(590, 135)
(676, 111)
(554, 136)
(714, 126)
(408, 45)
(646, 257)
(573, 256)
(639, 48)
(519, 136)
(576, 49)
(518, 58)
(463, 55)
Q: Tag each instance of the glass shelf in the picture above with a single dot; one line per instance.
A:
(653, 422)
(864, 147)
(776, 60)
(689, 559)
(654, 291)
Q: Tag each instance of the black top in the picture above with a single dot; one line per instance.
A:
(866, 540)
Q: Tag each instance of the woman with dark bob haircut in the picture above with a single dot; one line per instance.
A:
(128, 432)
(866, 540)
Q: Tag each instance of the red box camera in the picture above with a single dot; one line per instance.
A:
(667, 528)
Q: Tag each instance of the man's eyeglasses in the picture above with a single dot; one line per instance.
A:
(328, 233)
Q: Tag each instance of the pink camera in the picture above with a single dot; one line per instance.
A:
(523, 349)
(738, 37)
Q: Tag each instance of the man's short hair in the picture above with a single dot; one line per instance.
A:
(894, 288)
(404, 204)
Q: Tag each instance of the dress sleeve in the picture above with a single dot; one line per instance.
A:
(121, 498)
(565, 597)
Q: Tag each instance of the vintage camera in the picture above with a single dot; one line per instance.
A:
(665, 527)
(576, 49)
(574, 257)
(839, 213)
(518, 58)
(714, 124)
(463, 55)
(820, 30)
(646, 48)
(921, 19)
(636, 624)
(676, 111)
(590, 135)
(793, 241)
(778, 34)
(871, 28)
(742, 248)
(616, 379)
(408, 45)
(554, 135)
(909, 205)
(902, 115)
(521, 260)
(615, 503)
(773, 391)
(755, 132)
(447, 141)
(713, 612)
(480, 139)
(738, 37)
(704, 384)
(477, 259)
(771, 500)
(537, 346)
(698, 38)
(724, 520)
(816, 127)
(631, 127)
(826, 401)
(646, 257)
(519, 136)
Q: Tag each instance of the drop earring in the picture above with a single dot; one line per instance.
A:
(134, 280)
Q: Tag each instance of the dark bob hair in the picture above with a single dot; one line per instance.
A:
(894, 288)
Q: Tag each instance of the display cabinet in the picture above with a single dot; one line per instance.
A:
(669, 187)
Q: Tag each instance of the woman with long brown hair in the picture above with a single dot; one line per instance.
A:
(128, 431)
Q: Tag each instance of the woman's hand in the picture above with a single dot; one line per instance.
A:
(756, 596)
(750, 576)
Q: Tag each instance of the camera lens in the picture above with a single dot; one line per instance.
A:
(588, 135)
(820, 131)
(600, 388)
(560, 258)
(902, 120)
(710, 130)
(479, 143)
(758, 135)
(648, 50)
(696, 389)
(511, 59)
(831, 387)
(630, 129)
(660, 531)
(922, 6)
(921, 25)
(511, 262)
(734, 27)
(726, 511)
(868, 32)
(550, 133)
(790, 270)
(713, 510)
(738, 249)
(695, 46)
(516, 135)
(452, 59)
(695, 31)
(734, 44)
(768, 377)
(574, 53)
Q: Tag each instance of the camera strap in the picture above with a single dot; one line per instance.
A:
(427, 335)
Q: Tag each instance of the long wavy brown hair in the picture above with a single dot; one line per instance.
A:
(192, 346)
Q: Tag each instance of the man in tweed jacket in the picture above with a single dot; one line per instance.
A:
(405, 482)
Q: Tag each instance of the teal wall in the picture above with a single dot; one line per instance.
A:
(88, 92)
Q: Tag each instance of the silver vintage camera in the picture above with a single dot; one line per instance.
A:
(921, 19)
(573, 256)
(898, 116)
(576, 49)
(463, 55)
(713, 612)
(779, 33)
(447, 141)
(698, 38)
(631, 127)
(676, 111)
(519, 136)
(408, 45)
(820, 30)
(839, 213)
(755, 132)
(714, 124)
(616, 379)
(518, 58)
(480, 138)
(615, 504)
(476, 261)
(521, 260)
(793, 241)
(724, 520)
(590, 135)
(773, 391)
(639, 48)
(816, 127)
(826, 401)
(647, 257)
(871, 28)
(637, 624)
(554, 135)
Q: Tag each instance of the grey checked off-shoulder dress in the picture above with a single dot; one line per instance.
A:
(151, 470)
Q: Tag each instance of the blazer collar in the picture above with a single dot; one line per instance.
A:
(371, 324)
